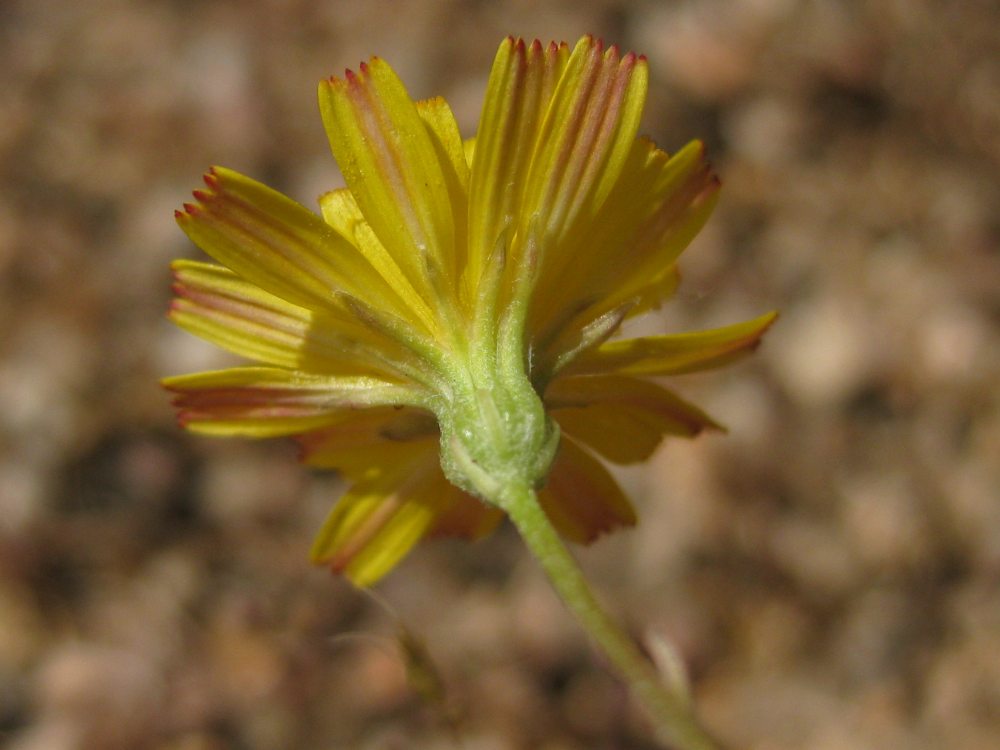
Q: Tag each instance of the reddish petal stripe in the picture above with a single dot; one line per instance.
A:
(392, 168)
(280, 246)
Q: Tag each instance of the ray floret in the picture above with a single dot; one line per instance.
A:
(446, 331)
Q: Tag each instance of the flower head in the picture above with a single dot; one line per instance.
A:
(443, 330)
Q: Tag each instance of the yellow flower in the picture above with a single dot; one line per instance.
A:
(443, 330)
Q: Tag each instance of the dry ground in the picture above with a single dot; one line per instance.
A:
(830, 570)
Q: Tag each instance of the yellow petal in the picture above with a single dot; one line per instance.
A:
(659, 241)
(622, 419)
(675, 354)
(392, 168)
(659, 289)
(214, 303)
(657, 207)
(521, 83)
(588, 131)
(279, 245)
(469, 148)
(374, 525)
(378, 521)
(628, 205)
(581, 498)
(360, 442)
(269, 401)
(447, 141)
(449, 147)
(341, 211)
(363, 445)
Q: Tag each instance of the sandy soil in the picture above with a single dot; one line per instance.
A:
(829, 570)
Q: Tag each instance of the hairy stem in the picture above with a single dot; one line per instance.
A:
(676, 726)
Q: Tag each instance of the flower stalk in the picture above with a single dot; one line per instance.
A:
(674, 722)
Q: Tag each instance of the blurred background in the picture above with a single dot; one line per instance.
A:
(829, 570)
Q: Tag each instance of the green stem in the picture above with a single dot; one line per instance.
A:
(676, 725)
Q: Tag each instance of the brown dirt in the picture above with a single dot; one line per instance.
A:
(829, 570)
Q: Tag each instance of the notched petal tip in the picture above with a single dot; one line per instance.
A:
(204, 200)
(365, 70)
(336, 84)
(179, 289)
(187, 212)
(535, 47)
(595, 46)
(212, 177)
